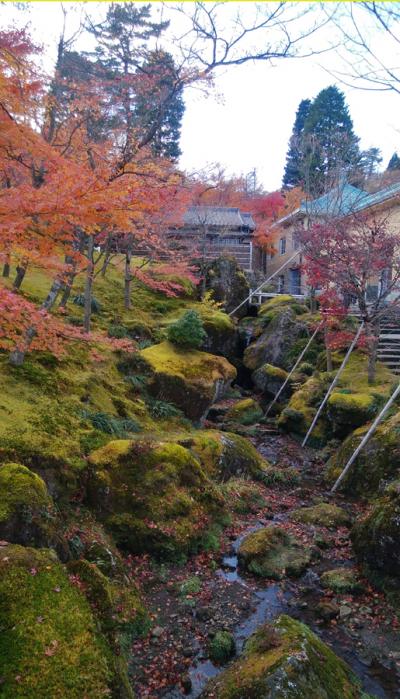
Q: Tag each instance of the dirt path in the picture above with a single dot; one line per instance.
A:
(190, 603)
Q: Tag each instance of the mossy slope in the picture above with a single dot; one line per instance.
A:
(50, 645)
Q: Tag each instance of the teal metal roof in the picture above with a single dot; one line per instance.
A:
(339, 201)
(346, 199)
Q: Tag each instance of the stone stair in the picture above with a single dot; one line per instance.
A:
(389, 344)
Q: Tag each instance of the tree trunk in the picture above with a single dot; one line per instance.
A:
(88, 285)
(17, 356)
(106, 262)
(329, 363)
(19, 278)
(373, 331)
(313, 302)
(6, 269)
(69, 283)
(128, 280)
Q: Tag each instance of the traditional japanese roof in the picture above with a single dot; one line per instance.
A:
(220, 216)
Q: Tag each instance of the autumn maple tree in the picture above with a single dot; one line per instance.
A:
(354, 258)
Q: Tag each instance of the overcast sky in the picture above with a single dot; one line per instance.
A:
(246, 121)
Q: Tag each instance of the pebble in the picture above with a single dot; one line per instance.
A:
(157, 632)
(344, 611)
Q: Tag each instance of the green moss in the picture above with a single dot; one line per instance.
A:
(274, 372)
(21, 489)
(192, 380)
(243, 496)
(376, 537)
(225, 455)
(245, 412)
(222, 647)
(272, 552)
(325, 515)
(153, 496)
(49, 645)
(341, 580)
(378, 461)
(285, 660)
(276, 301)
(353, 409)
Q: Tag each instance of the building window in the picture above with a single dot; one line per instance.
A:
(295, 241)
(282, 246)
(281, 283)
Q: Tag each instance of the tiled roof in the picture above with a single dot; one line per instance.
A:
(379, 197)
(222, 216)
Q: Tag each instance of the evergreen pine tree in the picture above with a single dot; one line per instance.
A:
(188, 331)
(293, 174)
(394, 162)
(330, 145)
(150, 102)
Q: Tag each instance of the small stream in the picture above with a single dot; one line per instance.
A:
(271, 600)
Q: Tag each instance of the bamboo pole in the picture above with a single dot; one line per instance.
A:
(334, 382)
(264, 282)
(294, 368)
(366, 438)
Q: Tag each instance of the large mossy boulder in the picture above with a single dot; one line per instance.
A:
(342, 580)
(153, 496)
(376, 537)
(189, 379)
(286, 660)
(272, 552)
(283, 328)
(224, 455)
(50, 643)
(222, 336)
(228, 283)
(351, 404)
(26, 509)
(323, 515)
(299, 413)
(269, 379)
(377, 462)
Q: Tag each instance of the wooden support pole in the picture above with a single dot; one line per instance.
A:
(366, 438)
(334, 382)
(294, 368)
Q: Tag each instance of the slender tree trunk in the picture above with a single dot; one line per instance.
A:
(6, 269)
(17, 356)
(89, 285)
(106, 262)
(373, 331)
(313, 302)
(19, 278)
(128, 280)
(69, 283)
(329, 363)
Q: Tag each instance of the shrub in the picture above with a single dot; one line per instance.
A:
(79, 300)
(188, 331)
(117, 331)
(162, 409)
(117, 426)
(222, 647)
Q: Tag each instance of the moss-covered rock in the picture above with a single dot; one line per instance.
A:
(286, 660)
(222, 647)
(378, 461)
(224, 455)
(222, 336)
(324, 515)
(245, 412)
(50, 645)
(26, 509)
(269, 379)
(341, 580)
(243, 496)
(272, 552)
(298, 415)
(346, 411)
(190, 379)
(153, 495)
(376, 537)
(353, 402)
(275, 341)
(228, 283)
